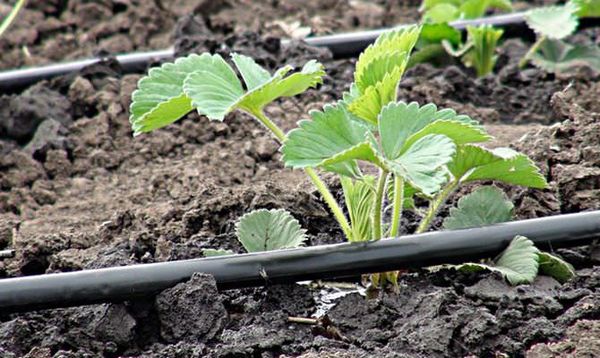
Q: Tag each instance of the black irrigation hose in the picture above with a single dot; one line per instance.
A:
(285, 266)
(341, 45)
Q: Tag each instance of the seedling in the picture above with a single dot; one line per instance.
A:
(440, 11)
(552, 25)
(521, 261)
(417, 150)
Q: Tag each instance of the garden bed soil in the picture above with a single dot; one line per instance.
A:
(78, 192)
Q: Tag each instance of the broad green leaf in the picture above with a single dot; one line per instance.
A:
(359, 196)
(502, 164)
(254, 76)
(331, 133)
(482, 55)
(266, 230)
(216, 252)
(159, 99)
(485, 206)
(401, 125)
(398, 121)
(450, 10)
(426, 53)
(216, 91)
(519, 262)
(421, 163)
(556, 267)
(587, 8)
(560, 57)
(555, 22)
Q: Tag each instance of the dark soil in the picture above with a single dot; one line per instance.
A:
(77, 191)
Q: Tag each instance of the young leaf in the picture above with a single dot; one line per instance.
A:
(359, 196)
(333, 133)
(379, 69)
(518, 263)
(482, 55)
(216, 252)
(555, 22)
(555, 267)
(159, 99)
(502, 164)
(254, 76)
(485, 206)
(559, 57)
(265, 230)
(422, 162)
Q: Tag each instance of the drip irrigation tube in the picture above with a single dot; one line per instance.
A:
(285, 266)
(341, 45)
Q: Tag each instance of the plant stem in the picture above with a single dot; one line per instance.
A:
(277, 132)
(11, 16)
(398, 203)
(380, 190)
(435, 205)
(318, 183)
(531, 51)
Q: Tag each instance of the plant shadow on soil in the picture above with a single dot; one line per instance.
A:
(77, 192)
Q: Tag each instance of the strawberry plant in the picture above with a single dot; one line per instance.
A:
(385, 152)
(440, 11)
(552, 25)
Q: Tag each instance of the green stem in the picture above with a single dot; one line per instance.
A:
(435, 205)
(398, 203)
(11, 16)
(531, 51)
(380, 190)
(318, 183)
(277, 132)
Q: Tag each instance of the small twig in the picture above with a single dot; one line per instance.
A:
(7, 254)
(303, 320)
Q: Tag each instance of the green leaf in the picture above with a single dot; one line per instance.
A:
(379, 70)
(359, 196)
(436, 33)
(216, 252)
(401, 125)
(279, 86)
(216, 91)
(398, 41)
(485, 206)
(266, 230)
(332, 133)
(422, 162)
(159, 99)
(555, 22)
(559, 57)
(442, 13)
(519, 262)
(587, 8)
(556, 267)
(482, 55)
(408, 201)
(254, 76)
(502, 164)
